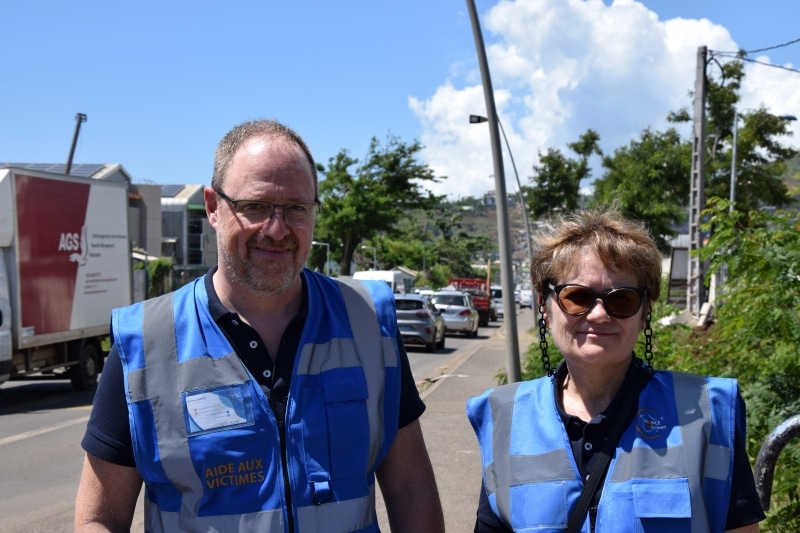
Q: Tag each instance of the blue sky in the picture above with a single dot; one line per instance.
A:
(161, 82)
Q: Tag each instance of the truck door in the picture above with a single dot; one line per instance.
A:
(5, 321)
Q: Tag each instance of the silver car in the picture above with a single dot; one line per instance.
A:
(420, 323)
(460, 314)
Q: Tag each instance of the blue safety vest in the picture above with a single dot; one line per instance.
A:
(206, 441)
(671, 470)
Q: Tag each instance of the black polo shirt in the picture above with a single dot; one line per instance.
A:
(108, 433)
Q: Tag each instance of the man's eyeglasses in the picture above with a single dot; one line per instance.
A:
(258, 212)
(577, 300)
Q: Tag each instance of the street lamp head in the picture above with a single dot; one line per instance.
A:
(477, 119)
(788, 117)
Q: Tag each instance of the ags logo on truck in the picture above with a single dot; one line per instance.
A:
(69, 250)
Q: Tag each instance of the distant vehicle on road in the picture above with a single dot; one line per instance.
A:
(526, 298)
(420, 323)
(497, 297)
(400, 282)
(479, 294)
(458, 311)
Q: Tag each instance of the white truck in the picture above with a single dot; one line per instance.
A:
(400, 282)
(65, 262)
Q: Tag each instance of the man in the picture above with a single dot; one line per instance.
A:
(326, 403)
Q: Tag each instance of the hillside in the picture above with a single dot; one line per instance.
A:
(481, 220)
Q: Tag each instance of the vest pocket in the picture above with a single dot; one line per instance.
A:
(539, 507)
(337, 408)
(657, 505)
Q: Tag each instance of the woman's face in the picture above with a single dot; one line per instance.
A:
(595, 339)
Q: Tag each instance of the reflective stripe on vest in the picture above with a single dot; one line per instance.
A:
(342, 413)
(672, 467)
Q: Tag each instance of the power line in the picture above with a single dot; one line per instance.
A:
(772, 47)
(771, 65)
(742, 55)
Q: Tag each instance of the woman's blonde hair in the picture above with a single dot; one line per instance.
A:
(622, 244)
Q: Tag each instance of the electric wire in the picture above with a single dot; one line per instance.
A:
(742, 55)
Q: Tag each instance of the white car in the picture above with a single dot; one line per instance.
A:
(497, 298)
(458, 311)
(526, 298)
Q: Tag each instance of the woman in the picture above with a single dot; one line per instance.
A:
(680, 462)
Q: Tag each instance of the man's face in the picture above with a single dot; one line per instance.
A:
(264, 257)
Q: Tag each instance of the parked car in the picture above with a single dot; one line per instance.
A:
(420, 322)
(458, 311)
(526, 298)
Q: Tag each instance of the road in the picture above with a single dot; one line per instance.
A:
(426, 365)
(41, 426)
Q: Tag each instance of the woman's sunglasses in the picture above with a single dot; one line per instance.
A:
(577, 300)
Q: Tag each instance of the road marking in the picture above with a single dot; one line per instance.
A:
(36, 432)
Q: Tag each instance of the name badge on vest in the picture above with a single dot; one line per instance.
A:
(218, 409)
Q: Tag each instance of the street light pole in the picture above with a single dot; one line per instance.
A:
(477, 119)
(327, 256)
(503, 237)
(80, 118)
(374, 256)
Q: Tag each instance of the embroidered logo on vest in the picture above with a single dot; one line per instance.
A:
(648, 424)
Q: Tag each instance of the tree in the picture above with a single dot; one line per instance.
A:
(371, 200)
(434, 241)
(159, 274)
(558, 178)
(649, 179)
(760, 157)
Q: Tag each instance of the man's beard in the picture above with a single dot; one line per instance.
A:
(270, 277)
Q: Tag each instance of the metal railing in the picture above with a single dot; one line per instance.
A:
(767, 458)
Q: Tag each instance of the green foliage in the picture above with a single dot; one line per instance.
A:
(759, 155)
(755, 334)
(368, 202)
(159, 274)
(557, 177)
(649, 180)
(438, 276)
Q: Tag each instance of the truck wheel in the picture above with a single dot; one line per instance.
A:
(84, 375)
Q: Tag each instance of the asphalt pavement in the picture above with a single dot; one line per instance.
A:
(450, 439)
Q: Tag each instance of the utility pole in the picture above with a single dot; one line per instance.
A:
(695, 288)
(504, 234)
(80, 118)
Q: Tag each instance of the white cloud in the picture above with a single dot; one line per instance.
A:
(559, 67)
